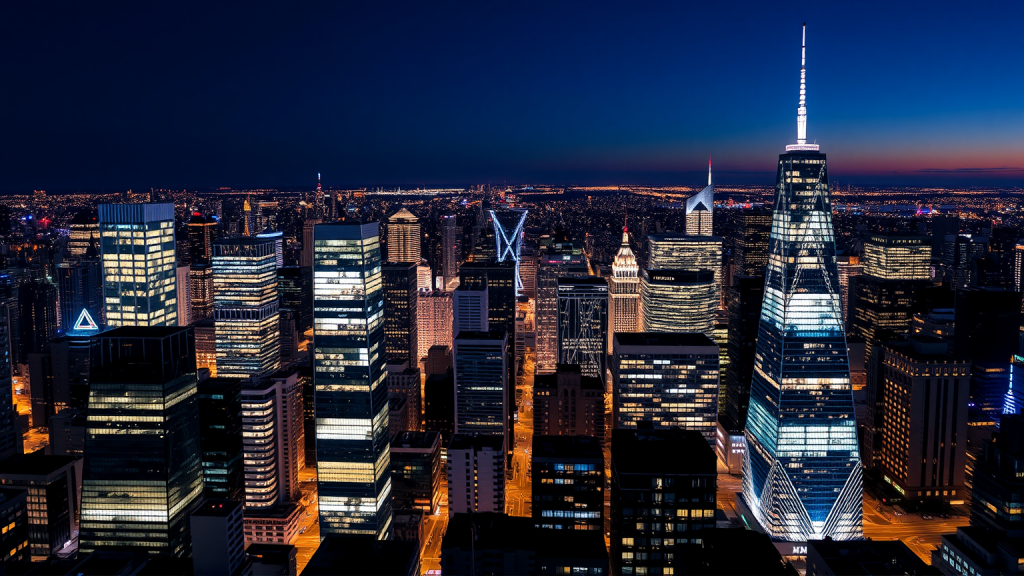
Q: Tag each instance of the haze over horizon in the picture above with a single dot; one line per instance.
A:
(159, 96)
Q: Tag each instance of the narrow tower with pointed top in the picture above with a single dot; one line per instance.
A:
(700, 210)
(625, 290)
(801, 471)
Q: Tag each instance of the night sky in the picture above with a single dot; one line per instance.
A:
(112, 96)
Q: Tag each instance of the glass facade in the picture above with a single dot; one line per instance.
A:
(666, 379)
(351, 393)
(142, 474)
(401, 299)
(481, 383)
(672, 251)
(259, 445)
(508, 233)
(568, 483)
(245, 307)
(583, 324)
(678, 301)
(624, 287)
(801, 472)
(220, 421)
(139, 275)
(564, 262)
(898, 257)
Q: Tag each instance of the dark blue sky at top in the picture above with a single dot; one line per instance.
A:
(111, 96)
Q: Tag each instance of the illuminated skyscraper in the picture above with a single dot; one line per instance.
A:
(245, 307)
(700, 209)
(897, 257)
(139, 282)
(673, 251)
(624, 286)
(404, 237)
(202, 232)
(143, 473)
(10, 428)
(678, 301)
(508, 233)
(401, 297)
(449, 251)
(583, 324)
(84, 234)
(752, 248)
(200, 286)
(801, 471)
(434, 316)
(566, 261)
(278, 237)
(352, 450)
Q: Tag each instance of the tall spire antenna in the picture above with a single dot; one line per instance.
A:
(709, 170)
(801, 112)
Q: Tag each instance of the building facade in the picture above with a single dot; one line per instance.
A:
(401, 296)
(404, 237)
(567, 403)
(352, 452)
(568, 483)
(678, 301)
(246, 309)
(476, 473)
(624, 291)
(583, 323)
(138, 254)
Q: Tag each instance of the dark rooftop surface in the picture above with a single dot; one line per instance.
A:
(142, 331)
(566, 447)
(362, 555)
(672, 451)
(867, 557)
(418, 440)
(663, 339)
(34, 463)
(735, 552)
(217, 508)
(464, 441)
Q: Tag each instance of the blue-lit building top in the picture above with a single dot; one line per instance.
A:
(508, 234)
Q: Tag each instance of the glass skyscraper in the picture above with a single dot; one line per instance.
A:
(802, 472)
(583, 323)
(139, 281)
(351, 393)
(143, 473)
(245, 307)
(508, 233)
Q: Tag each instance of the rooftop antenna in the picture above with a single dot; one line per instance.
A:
(801, 111)
(709, 170)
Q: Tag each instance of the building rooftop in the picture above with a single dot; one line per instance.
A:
(478, 441)
(142, 332)
(679, 276)
(717, 555)
(867, 558)
(681, 237)
(489, 530)
(663, 339)
(477, 335)
(34, 464)
(364, 556)
(672, 451)
(566, 447)
(550, 381)
(217, 508)
(416, 440)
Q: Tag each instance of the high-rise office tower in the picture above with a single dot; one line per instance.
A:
(1018, 266)
(700, 209)
(624, 288)
(37, 317)
(52, 483)
(182, 278)
(752, 246)
(139, 282)
(849, 267)
(743, 300)
(143, 472)
(663, 491)
(10, 429)
(206, 345)
(277, 237)
(245, 307)
(801, 470)
(481, 383)
(200, 286)
(568, 486)
(15, 541)
(404, 383)
(295, 289)
(424, 278)
(400, 302)
(259, 445)
(678, 301)
(219, 543)
(79, 286)
(353, 478)
(924, 429)
(583, 323)
(499, 278)
(942, 225)
(449, 251)
(84, 234)
(566, 261)
(568, 403)
(666, 379)
(404, 237)
(894, 257)
(306, 257)
(220, 437)
(416, 471)
(998, 482)
(476, 473)
(202, 233)
(960, 259)
(673, 251)
(469, 309)
(434, 315)
(509, 233)
(878, 305)
(986, 320)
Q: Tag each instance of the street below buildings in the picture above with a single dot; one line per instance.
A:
(518, 491)
(308, 539)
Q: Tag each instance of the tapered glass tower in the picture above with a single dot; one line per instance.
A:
(351, 392)
(801, 472)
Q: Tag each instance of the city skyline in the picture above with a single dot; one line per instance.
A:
(600, 96)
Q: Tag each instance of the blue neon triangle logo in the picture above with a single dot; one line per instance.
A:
(85, 322)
